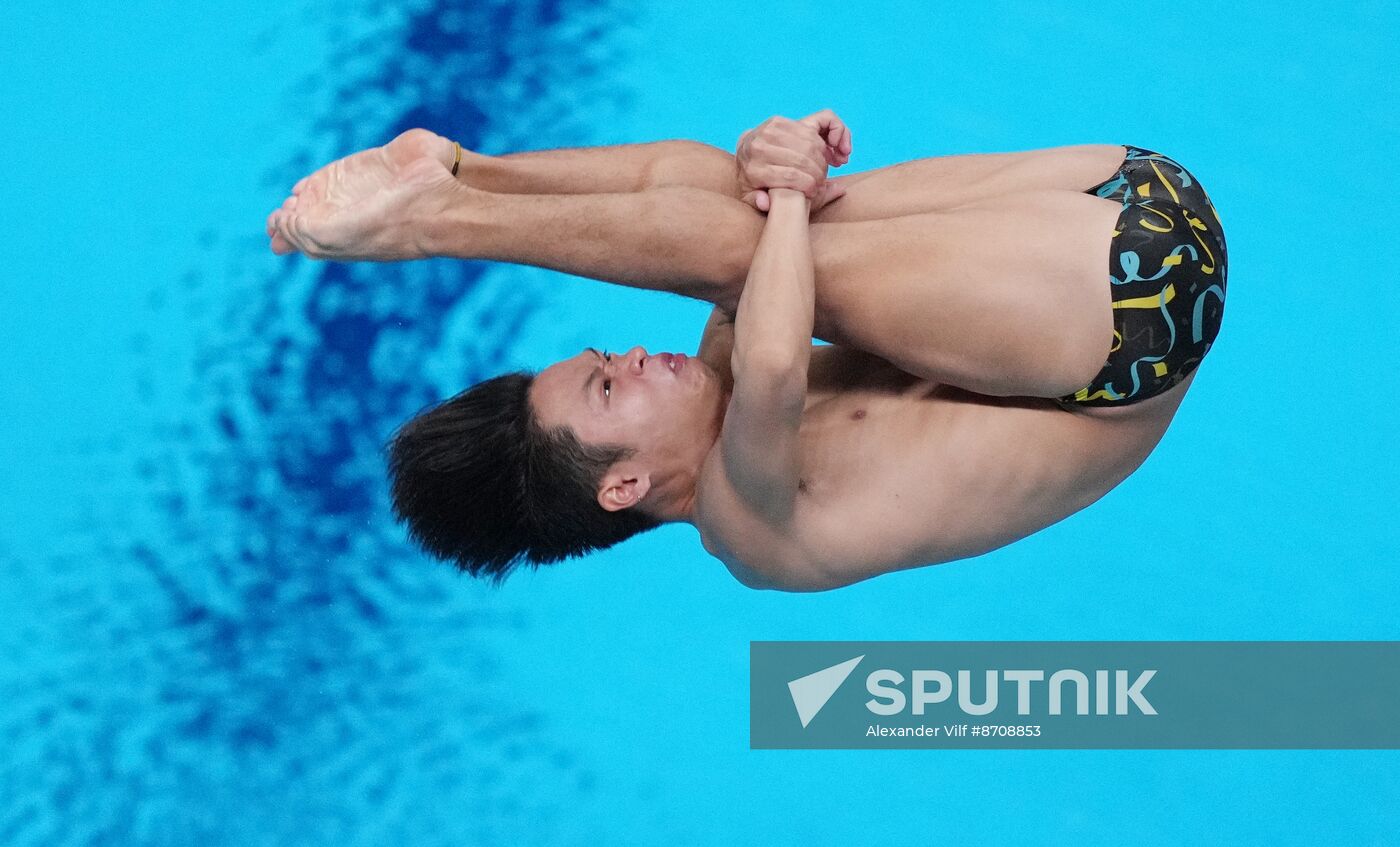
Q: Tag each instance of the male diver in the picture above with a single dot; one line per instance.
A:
(984, 380)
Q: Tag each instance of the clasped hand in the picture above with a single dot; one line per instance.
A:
(783, 153)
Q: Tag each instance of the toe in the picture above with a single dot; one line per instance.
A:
(278, 232)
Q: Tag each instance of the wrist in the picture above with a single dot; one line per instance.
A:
(788, 198)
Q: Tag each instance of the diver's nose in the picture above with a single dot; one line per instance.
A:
(634, 359)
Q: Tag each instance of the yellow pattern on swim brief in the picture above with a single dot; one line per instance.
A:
(1195, 223)
(1170, 190)
(1083, 394)
(1151, 301)
(1171, 224)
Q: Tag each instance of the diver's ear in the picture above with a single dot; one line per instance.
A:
(623, 487)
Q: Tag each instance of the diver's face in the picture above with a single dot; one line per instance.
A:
(660, 405)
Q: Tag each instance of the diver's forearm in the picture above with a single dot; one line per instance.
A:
(773, 324)
(614, 169)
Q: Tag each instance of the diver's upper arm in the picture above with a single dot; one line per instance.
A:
(717, 343)
(759, 441)
(771, 351)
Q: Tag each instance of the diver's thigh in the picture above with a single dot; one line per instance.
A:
(1008, 295)
(944, 182)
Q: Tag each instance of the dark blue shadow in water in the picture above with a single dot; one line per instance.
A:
(270, 663)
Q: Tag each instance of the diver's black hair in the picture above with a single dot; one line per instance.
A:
(480, 482)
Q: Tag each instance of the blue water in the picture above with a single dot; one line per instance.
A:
(211, 633)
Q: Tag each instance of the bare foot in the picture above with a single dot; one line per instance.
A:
(369, 205)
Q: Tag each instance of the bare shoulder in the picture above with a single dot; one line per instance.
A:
(756, 553)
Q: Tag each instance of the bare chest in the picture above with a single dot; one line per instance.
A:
(870, 460)
(931, 473)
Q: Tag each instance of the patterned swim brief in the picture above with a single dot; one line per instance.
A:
(1167, 278)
